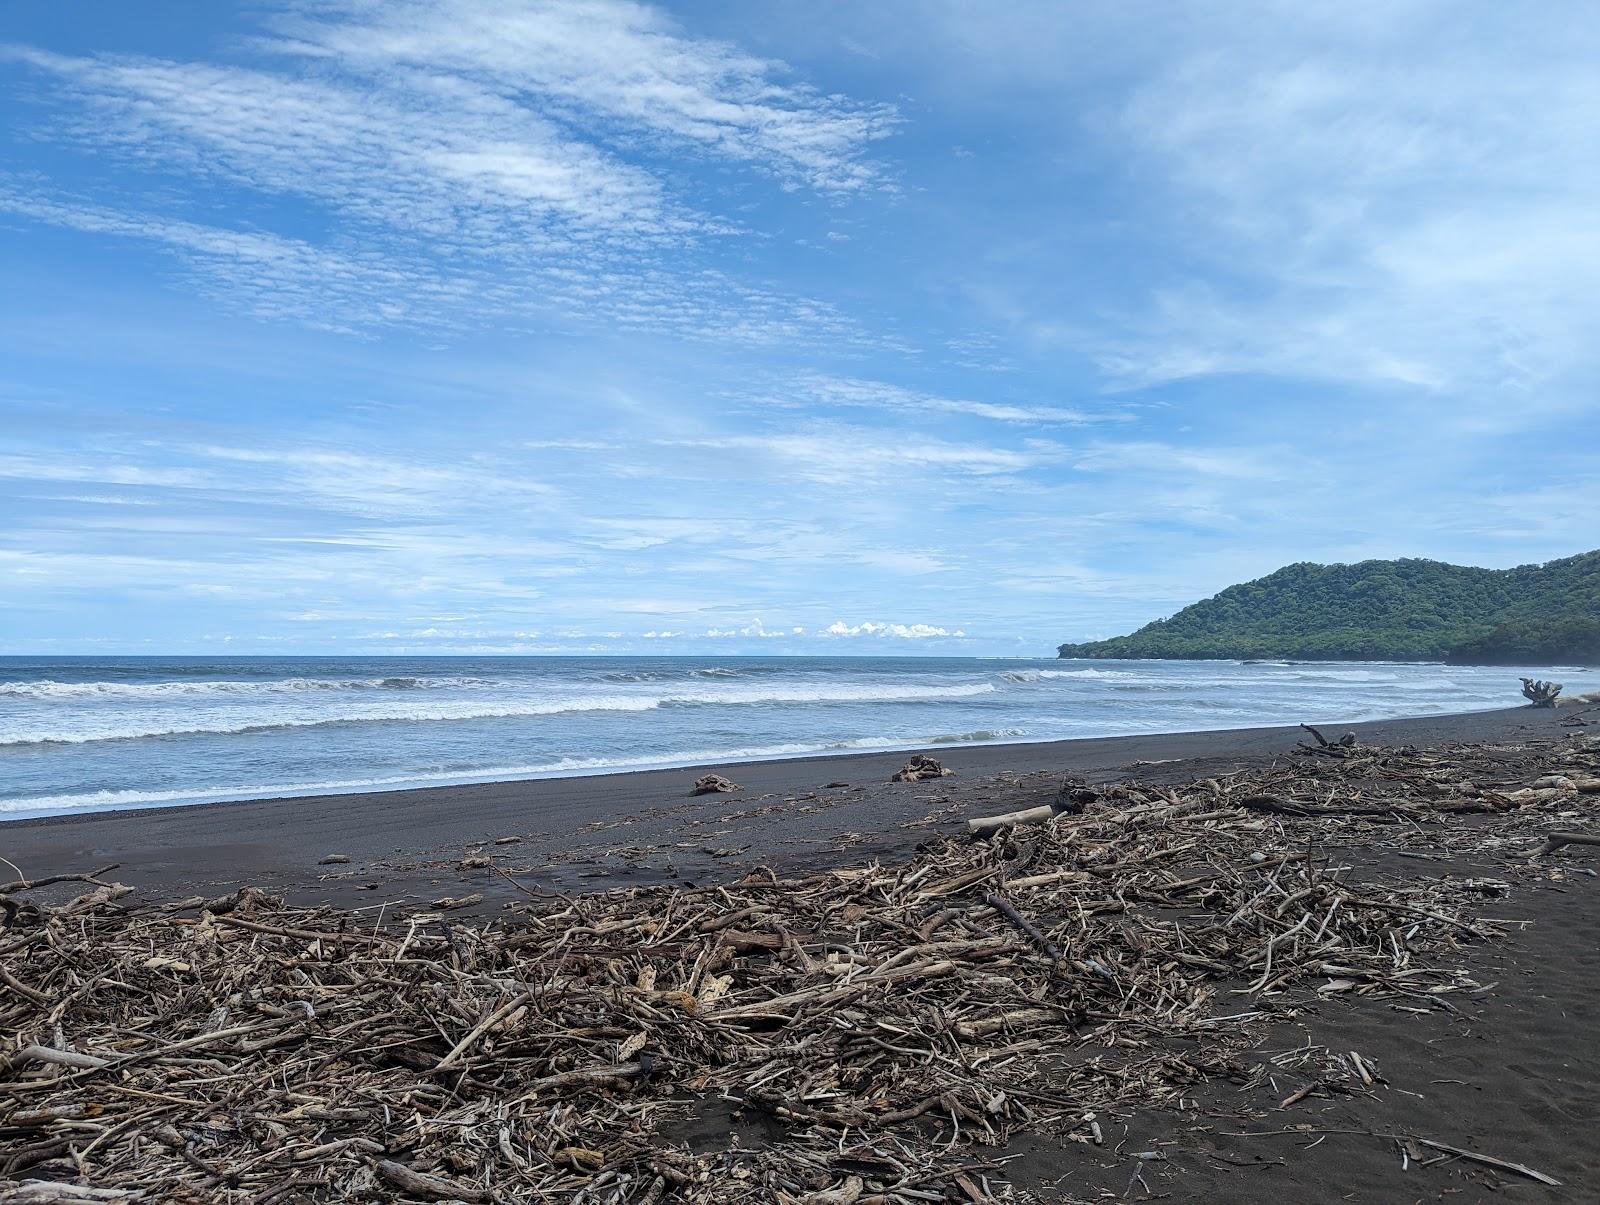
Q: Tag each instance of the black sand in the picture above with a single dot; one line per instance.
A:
(1510, 1071)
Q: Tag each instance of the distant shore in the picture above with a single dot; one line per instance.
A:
(642, 826)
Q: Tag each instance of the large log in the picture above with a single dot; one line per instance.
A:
(982, 825)
(1540, 693)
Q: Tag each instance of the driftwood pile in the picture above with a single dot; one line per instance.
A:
(875, 1034)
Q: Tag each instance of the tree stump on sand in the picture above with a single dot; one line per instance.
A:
(1540, 693)
(919, 767)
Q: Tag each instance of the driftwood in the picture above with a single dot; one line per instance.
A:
(1556, 840)
(1540, 693)
(1491, 1161)
(980, 825)
(921, 766)
(1071, 800)
(713, 784)
(1338, 748)
(899, 1012)
(1030, 930)
(422, 1184)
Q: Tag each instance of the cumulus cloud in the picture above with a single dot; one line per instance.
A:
(896, 631)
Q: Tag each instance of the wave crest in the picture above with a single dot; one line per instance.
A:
(229, 721)
(46, 688)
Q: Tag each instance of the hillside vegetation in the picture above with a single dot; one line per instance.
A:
(1406, 610)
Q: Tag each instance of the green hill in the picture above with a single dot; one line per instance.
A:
(1407, 610)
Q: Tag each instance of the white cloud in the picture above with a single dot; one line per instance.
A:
(616, 62)
(895, 631)
(1402, 197)
(836, 455)
(468, 166)
(279, 278)
(436, 158)
(816, 390)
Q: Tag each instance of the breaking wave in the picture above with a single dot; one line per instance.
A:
(135, 726)
(48, 689)
(1046, 675)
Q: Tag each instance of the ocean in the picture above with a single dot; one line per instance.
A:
(85, 734)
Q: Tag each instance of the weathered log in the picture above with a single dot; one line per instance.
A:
(981, 825)
(422, 1184)
(1556, 840)
(1540, 693)
(1294, 807)
(713, 784)
(46, 1192)
(921, 766)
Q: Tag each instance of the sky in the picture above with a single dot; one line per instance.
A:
(910, 328)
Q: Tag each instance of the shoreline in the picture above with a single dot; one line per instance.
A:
(1211, 1098)
(944, 750)
(641, 826)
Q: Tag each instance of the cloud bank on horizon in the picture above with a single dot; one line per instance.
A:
(606, 326)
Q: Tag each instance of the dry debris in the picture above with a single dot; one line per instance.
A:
(920, 767)
(885, 1028)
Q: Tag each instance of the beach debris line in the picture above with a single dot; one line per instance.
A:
(887, 1024)
(714, 784)
(921, 767)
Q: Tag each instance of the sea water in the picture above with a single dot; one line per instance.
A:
(79, 734)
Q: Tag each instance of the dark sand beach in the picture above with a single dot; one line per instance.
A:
(642, 827)
(1507, 1069)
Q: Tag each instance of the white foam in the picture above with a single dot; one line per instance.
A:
(84, 729)
(1045, 675)
(49, 689)
(564, 767)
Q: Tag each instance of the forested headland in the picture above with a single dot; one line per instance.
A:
(1401, 610)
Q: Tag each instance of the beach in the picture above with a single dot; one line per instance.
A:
(639, 827)
(1502, 1066)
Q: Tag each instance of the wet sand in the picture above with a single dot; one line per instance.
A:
(637, 827)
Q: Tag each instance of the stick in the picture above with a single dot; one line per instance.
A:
(483, 1027)
(31, 884)
(1004, 907)
(1491, 1161)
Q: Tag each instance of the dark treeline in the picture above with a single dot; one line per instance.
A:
(1387, 610)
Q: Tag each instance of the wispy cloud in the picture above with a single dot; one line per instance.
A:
(838, 453)
(817, 391)
(1400, 201)
(435, 157)
(463, 165)
(612, 61)
(277, 278)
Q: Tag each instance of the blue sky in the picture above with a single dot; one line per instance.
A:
(932, 328)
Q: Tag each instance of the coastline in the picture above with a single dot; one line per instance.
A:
(639, 826)
(1237, 1133)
